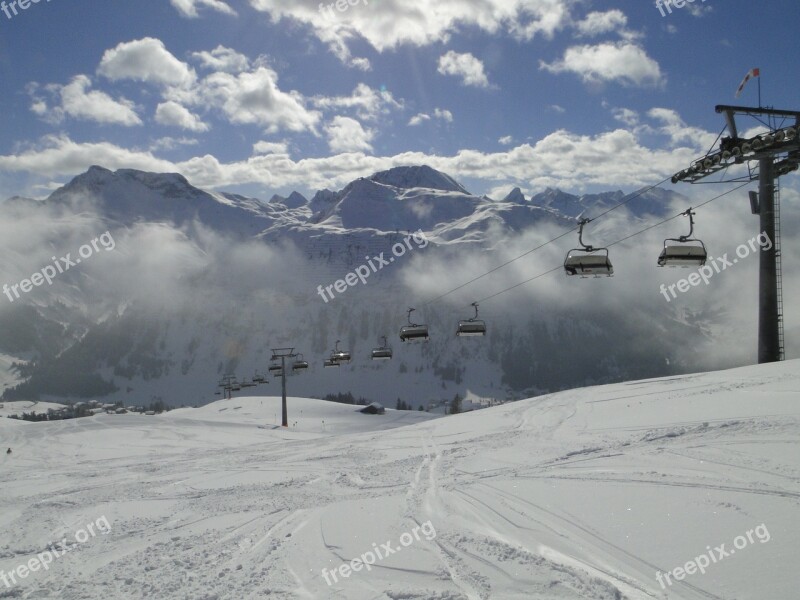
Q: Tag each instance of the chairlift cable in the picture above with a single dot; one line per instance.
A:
(558, 268)
(540, 246)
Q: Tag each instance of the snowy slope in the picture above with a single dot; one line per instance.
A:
(580, 494)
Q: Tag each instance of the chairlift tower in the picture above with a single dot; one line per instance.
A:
(776, 153)
(282, 354)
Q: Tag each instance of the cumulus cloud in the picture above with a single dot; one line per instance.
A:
(392, 23)
(188, 8)
(173, 114)
(621, 62)
(76, 100)
(598, 23)
(254, 98)
(170, 143)
(270, 148)
(348, 135)
(466, 66)
(438, 113)
(223, 59)
(145, 60)
(368, 103)
(562, 159)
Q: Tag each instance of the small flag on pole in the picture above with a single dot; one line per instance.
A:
(748, 77)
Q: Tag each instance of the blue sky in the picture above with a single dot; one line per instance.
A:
(268, 96)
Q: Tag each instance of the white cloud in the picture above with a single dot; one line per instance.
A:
(598, 23)
(388, 24)
(557, 108)
(438, 113)
(466, 66)
(77, 101)
(145, 60)
(173, 114)
(188, 8)
(270, 148)
(61, 156)
(418, 119)
(223, 59)
(621, 62)
(506, 140)
(170, 143)
(673, 126)
(627, 116)
(443, 114)
(348, 135)
(562, 159)
(254, 98)
(698, 10)
(368, 103)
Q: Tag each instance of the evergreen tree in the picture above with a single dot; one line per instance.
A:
(455, 405)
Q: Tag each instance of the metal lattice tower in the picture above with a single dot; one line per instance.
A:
(779, 271)
(777, 153)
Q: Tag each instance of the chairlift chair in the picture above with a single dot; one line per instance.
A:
(383, 352)
(340, 356)
(258, 378)
(299, 364)
(686, 252)
(329, 362)
(235, 387)
(247, 384)
(413, 331)
(473, 326)
(588, 260)
(276, 370)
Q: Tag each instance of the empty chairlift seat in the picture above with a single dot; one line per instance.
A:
(588, 260)
(383, 352)
(683, 255)
(413, 331)
(473, 326)
(580, 262)
(299, 364)
(685, 251)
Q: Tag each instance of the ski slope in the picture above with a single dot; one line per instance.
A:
(583, 494)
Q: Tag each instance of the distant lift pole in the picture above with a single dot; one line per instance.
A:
(777, 153)
(282, 354)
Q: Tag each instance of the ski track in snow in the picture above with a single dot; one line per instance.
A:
(580, 494)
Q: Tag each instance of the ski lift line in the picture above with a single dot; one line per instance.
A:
(540, 246)
(560, 267)
(641, 192)
(498, 267)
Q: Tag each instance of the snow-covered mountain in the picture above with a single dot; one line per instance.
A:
(202, 283)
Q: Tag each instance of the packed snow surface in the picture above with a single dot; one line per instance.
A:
(583, 494)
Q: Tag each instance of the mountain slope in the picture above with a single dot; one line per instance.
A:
(582, 494)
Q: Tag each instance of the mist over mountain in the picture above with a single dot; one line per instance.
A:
(202, 283)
